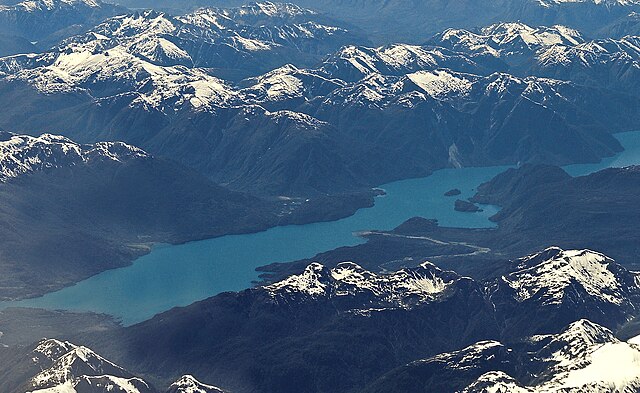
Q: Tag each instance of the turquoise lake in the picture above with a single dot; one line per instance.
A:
(177, 275)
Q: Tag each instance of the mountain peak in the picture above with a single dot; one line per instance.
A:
(495, 381)
(607, 3)
(51, 349)
(405, 288)
(548, 276)
(442, 83)
(310, 282)
(77, 362)
(587, 333)
(541, 36)
(574, 341)
(33, 5)
(189, 384)
(24, 154)
(272, 9)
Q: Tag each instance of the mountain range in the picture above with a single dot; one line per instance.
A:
(415, 21)
(553, 52)
(342, 328)
(145, 78)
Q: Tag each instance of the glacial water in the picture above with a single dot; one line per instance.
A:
(177, 275)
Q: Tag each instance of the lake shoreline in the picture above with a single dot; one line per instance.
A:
(179, 275)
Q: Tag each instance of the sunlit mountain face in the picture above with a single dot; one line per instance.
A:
(319, 196)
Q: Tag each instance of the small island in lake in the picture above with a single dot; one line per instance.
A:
(453, 192)
(466, 206)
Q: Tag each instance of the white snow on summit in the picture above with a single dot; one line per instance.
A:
(506, 33)
(279, 84)
(269, 8)
(48, 5)
(401, 289)
(506, 39)
(585, 357)
(441, 83)
(73, 368)
(391, 60)
(289, 82)
(116, 69)
(189, 384)
(550, 279)
(23, 154)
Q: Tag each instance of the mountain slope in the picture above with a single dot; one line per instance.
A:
(103, 203)
(554, 287)
(234, 43)
(584, 357)
(433, 118)
(291, 336)
(188, 384)
(11, 45)
(598, 210)
(298, 132)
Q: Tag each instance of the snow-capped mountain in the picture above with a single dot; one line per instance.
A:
(609, 63)
(389, 21)
(584, 357)
(507, 40)
(448, 103)
(54, 366)
(243, 41)
(549, 3)
(156, 57)
(556, 286)
(115, 72)
(49, 21)
(550, 274)
(344, 327)
(104, 66)
(137, 78)
(188, 384)
(289, 85)
(23, 154)
(353, 63)
(404, 289)
(80, 369)
(318, 318)
(556, 52)
(299, 325)
(459, 90)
